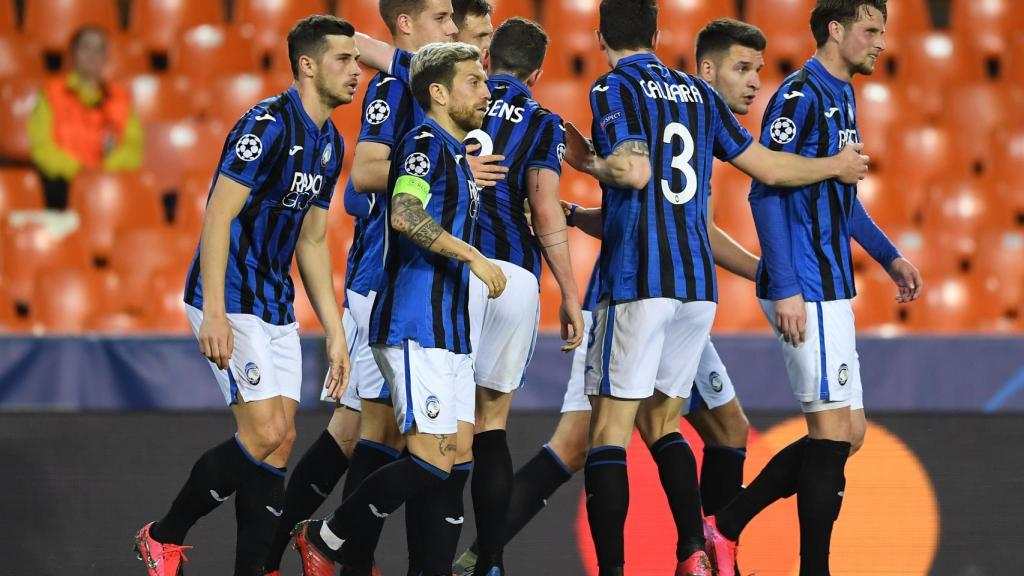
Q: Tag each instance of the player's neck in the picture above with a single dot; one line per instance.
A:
(615, 55)
(404, 42)
(445, 121)
(314, 106)
(834, 64)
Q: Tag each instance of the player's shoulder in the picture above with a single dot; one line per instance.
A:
(266, 120)
(270, 110)
(798, 86)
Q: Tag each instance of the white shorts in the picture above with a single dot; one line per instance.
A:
(349, 397)
(575, 399)
(712, 387)
(639, 346)
(824, 371)
(365, 381)
(503, 330)
(431, 388)
(266, 359)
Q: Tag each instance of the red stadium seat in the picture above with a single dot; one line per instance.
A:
(19, 56)
(17, 98)
(10, 320)
(206, 52)
(83, 293)
(20, 189)
(267, 22)
(109, 202)
(679, 22)
(786, 24)
(52, 22)
(29, 248)
(1013, 75)
(159, 22)
(162, 97)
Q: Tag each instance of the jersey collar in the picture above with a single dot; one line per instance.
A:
(637, 59)
(510, 79)
(293, 95)
(444, 134)
(819, 71)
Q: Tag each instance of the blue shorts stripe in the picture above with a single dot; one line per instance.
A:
(823, 394)
(409, 418)
(697, 402)
(232, 385)
(606, 356)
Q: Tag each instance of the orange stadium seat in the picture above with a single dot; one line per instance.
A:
(267, 22)
(83, 293)
(226, 98)
(17, 98)
(930, 64)
(1013, 74)
(971, 114)
(7, 17)
(572, 26)
(174, 149)
(160, 22)
(906, 19)
(166, 312)
(10, 320)
(951, 304)
(365, 16)
(206, 52)
(109, 202)
(127, 57)
(875, 305)
(1008, 165)
(985, 26)
(879, 109)
(19, 56)
(51, 23)
(679, 22)
(966, 206)
(879, 197)
(20, 189)
(138, 255)
(1000, 262)
(567, 98)
(739, 310)
(786, 24)
(162, 97)
(923, 251)
(505, 9)
(29, 248)
(919, 154)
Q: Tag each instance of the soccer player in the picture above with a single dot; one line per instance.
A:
(805, 282)
(389, 112)
(656, 131)
(419, 328)
(473, 19)
(729, 57)
(269, 201)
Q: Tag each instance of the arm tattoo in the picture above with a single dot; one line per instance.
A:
(444, 446)
(413, 221)
(632, 148)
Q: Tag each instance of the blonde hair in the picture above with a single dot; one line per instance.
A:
(435, 64)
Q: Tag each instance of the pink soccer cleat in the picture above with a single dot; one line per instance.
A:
(696, 565)
(160, 559)
(315, 562)
(720, 549)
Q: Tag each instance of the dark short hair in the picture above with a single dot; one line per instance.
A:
(715, 39)
(518, 47)
(846, 12)
(463, 8)
(390, 10)
(435, 64)
(81, 33)
(629, 24)
(309, 37)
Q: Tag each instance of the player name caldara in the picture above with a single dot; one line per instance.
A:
(673, 92)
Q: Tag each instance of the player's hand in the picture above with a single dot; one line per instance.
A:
(486, 170)
(216, 340)
(907, 278)
(489, 273)
(571, 319)
(853, 166)
(579, 150)
(791, 319)
(339, 367)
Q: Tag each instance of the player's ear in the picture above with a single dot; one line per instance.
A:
(655, 39)
(306, 67)
(600, 41)
(836, 30)
(404, 24)
(438, 93)
(534, 77)
(485, 59)
(706, 70)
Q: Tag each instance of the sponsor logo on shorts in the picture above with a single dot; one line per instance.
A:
(844, 374)
(432, 406)
(716, 381)
(252, 373)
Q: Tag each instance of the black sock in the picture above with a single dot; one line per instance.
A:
(441, 520)
(677, 469)
(215, 477)
(492, 491)
(778, 479)
(413, 535)
(819, 496)
(607, 487)
(259, 505)
(312, 479)
(721, 477)
(360, 518)
(367, 458)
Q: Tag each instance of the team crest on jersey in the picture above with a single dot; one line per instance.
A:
(716, 381)
(326, 157)
(844, 374)
(783, 130)
(417, 164)
(248, 148)
(432, 407)
(252, 373)
(560, 150)
(377, 112)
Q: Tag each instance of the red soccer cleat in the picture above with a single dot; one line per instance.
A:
(696, 565)
(315, 562)
(720, 549)
(274, 573)
(160, 559)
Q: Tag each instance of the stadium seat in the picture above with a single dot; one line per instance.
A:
(83, 293)
(930, 64)
(162, 97)
(267, 22)
(19, 56)
(17, 98)
(109, 202)
(505, 9)
(950, 304)
(572, 26)
(226, 98)
(730, 189)
(880, 200)
(679, 22)
(875, 307)
(879, 109)
(579, 188)
(966, 206)
(176, 148)
(785, 23)
(8, 21)
(985, 26)
(569, 98)
(191, 205)
(206, 52)
(738, 310)
(365, 16)
(166, 312)
(918, 155)
(1007, 167)
(29, 248)
(51, 23)
(1013, 72)
(10, 320)
(160, 22)
(20, 189)
(127, 57)
(138, 255)
(1000, 263)
(971, 114)
(923, 251)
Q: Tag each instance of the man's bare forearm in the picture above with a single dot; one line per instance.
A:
(410, 219)
(628, 166)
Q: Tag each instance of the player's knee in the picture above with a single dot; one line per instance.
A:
(737, 431)
(268, 438)
(857, 440)
(571, 451)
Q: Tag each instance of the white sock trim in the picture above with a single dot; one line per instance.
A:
(329, 538)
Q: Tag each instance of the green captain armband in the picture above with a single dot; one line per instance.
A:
(413, 186)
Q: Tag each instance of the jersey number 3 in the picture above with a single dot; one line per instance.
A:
(680, 162)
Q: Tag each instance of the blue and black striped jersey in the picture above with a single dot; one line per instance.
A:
(590, 298)
(389, 112)
(424, 296)
(655, 241)
(289, 164)
(805, 232)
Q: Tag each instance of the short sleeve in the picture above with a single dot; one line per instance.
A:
(387, 111)
(418, 165)
(787, 123)
(401, 66)
(616, 116)
(549, 148)
(731, 139)
(335, 161)
(252, 147)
